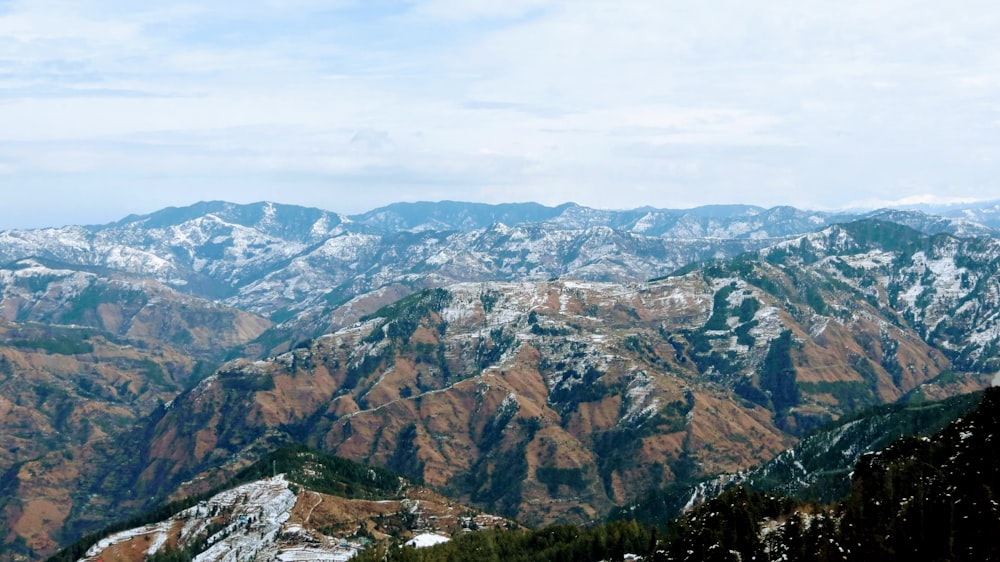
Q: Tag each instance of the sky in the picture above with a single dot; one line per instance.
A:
(113, 107)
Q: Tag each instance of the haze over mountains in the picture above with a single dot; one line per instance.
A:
(545, 363)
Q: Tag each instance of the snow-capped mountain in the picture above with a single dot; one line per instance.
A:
(295, 265)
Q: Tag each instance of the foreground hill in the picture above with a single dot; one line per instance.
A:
(295, 504)
(817, 469)
(927, 498)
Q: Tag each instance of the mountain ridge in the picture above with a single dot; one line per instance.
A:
(287, 262)
(286, 505)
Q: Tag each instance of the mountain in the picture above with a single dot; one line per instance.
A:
(446, 216)
(959, 226)
(86, 352)
(559, 400)
(547, 370)
(63, 391)
(352, 268)
(983, 212)
(122, 305)
(819, 468)
(938, 285)
(925, 498)
(713, 221)
(296, 265)
(320, 506)
(733, 222)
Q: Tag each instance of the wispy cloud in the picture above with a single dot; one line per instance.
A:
(608, 104)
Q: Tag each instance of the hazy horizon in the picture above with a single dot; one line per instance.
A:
(912, 205)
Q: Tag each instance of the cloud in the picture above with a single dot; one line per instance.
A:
(607, 104)
(465, 10)
(370, 140)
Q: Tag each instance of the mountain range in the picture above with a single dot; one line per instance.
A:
(549, 364)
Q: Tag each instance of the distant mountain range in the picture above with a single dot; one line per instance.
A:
(296, 265)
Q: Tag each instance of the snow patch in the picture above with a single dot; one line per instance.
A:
(426, 540)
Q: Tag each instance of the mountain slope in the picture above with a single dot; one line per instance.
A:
(816, 469)
(293, 504)
(124, 306)
(920, 499)
(84, 354)
(549, 399)
(559, 400)
(453, 215)
(927, 498)
(521, 396)
(943, 287)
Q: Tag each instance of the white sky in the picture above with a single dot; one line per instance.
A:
(116, 107)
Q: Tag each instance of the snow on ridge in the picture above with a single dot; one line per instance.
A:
(33, 268)
(264, 505)
(426, 540)
(769, 325)
(637, 394)
(269, 213)
(510, 402)
(647, 222)
(347, 246)
(869, 260)
(256, 513)
(321, 227)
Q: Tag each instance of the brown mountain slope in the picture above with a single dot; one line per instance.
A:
(550, 401)
(121, 349)
(70, 389)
